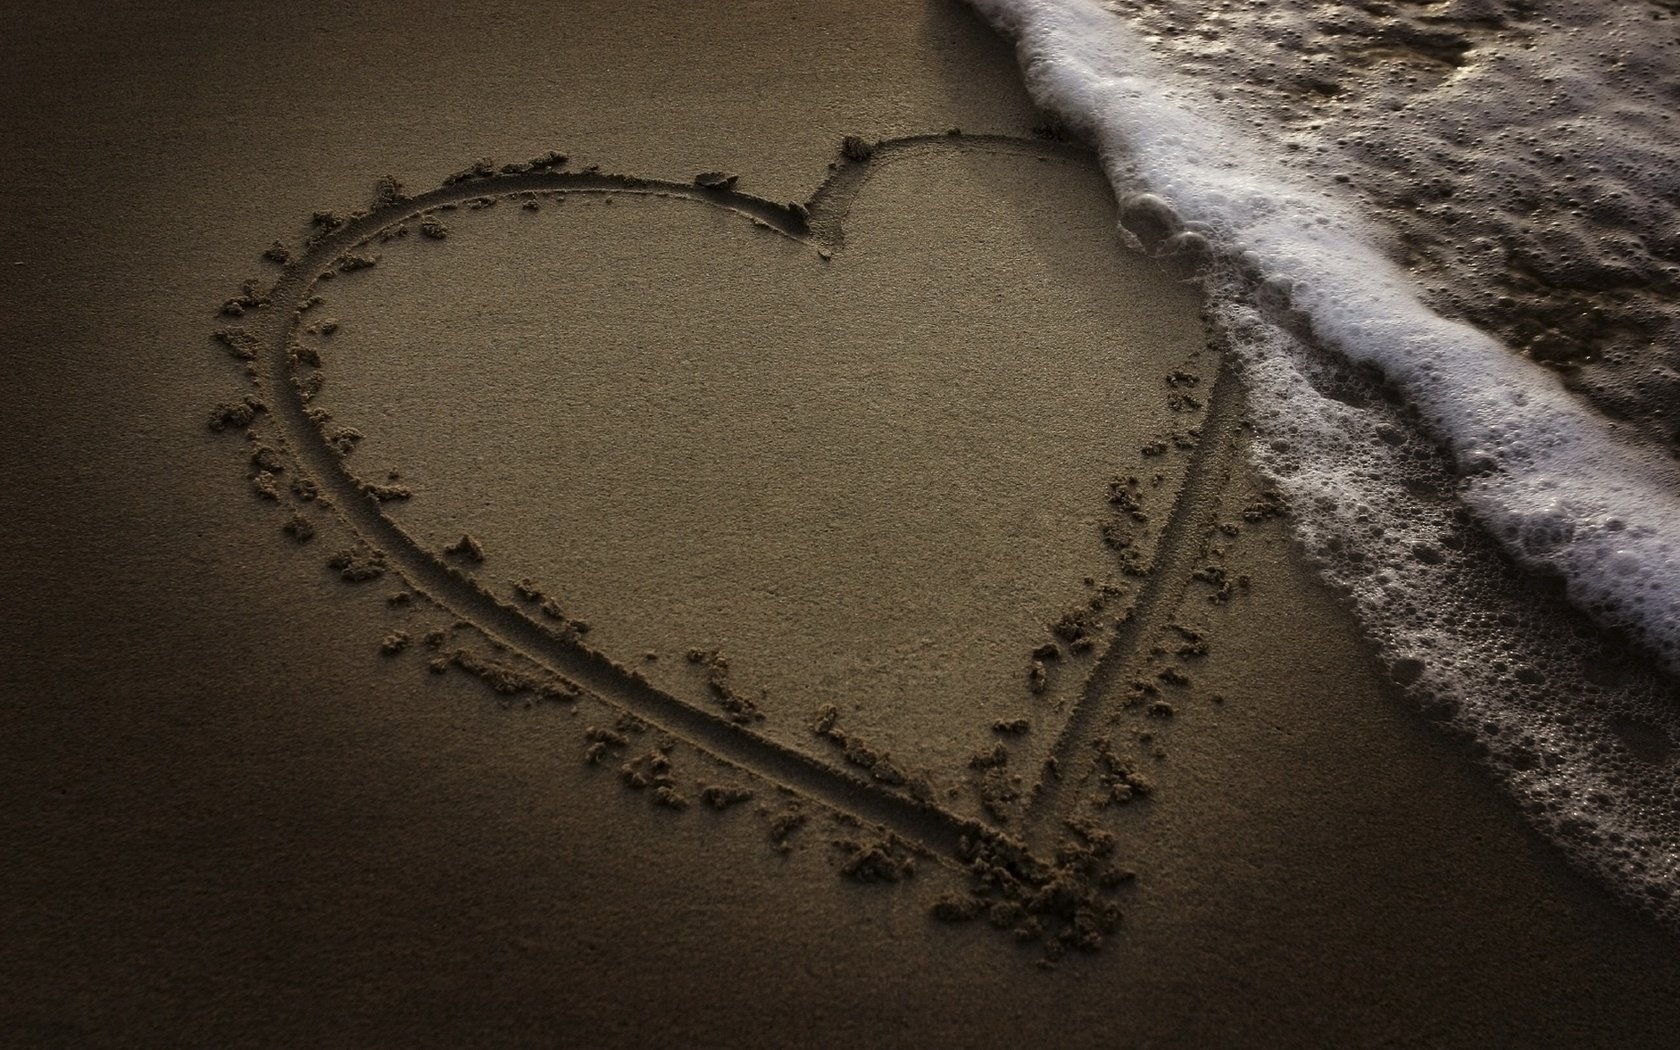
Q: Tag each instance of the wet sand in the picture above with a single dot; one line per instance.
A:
(244, 809)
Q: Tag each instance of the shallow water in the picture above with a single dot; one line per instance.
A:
(1443, 249)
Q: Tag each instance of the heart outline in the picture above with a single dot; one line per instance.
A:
(819, 224)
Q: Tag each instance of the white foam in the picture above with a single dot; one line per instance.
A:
(1546, 474)
(1553, 481)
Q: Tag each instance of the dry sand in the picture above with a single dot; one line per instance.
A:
(838, 476)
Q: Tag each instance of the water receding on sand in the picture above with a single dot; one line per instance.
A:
(1442, 247)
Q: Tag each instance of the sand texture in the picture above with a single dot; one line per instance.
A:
(695, 577)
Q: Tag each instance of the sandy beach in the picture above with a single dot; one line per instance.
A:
(710, 575)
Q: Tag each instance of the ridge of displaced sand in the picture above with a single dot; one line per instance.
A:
(276, 363)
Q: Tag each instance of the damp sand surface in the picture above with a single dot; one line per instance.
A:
(244, 808)
(873, 480)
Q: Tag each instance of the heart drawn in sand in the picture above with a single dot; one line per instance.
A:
(1064, 679)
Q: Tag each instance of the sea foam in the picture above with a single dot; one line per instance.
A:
(1555, 482)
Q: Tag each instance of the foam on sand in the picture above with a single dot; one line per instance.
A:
(1554, 481)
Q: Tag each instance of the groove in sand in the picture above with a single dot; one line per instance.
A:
(819, 223)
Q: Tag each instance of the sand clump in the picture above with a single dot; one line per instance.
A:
(232, 415)
(386, 492)
(388, 192)
(1079, 628)
(266, 458)
(651, 771)
(299, 528)
(740, 709)
(530, 592)
(503, 678)
(304, 354)
(1119, 780)
(1060, 904)
(1126, 496)
(466, 548)
(358, 564)
(998, 788)
(878, 764)
(239, 342)
(603, 744)
(342, 439)
(353, 261)
(724, 796)
(250, 297)
(1192, 643)
(266, 485)
(1224, 584)
(783, 826)
(483, 168)
(885, 859)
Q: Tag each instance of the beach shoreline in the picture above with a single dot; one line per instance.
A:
(245, 813)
